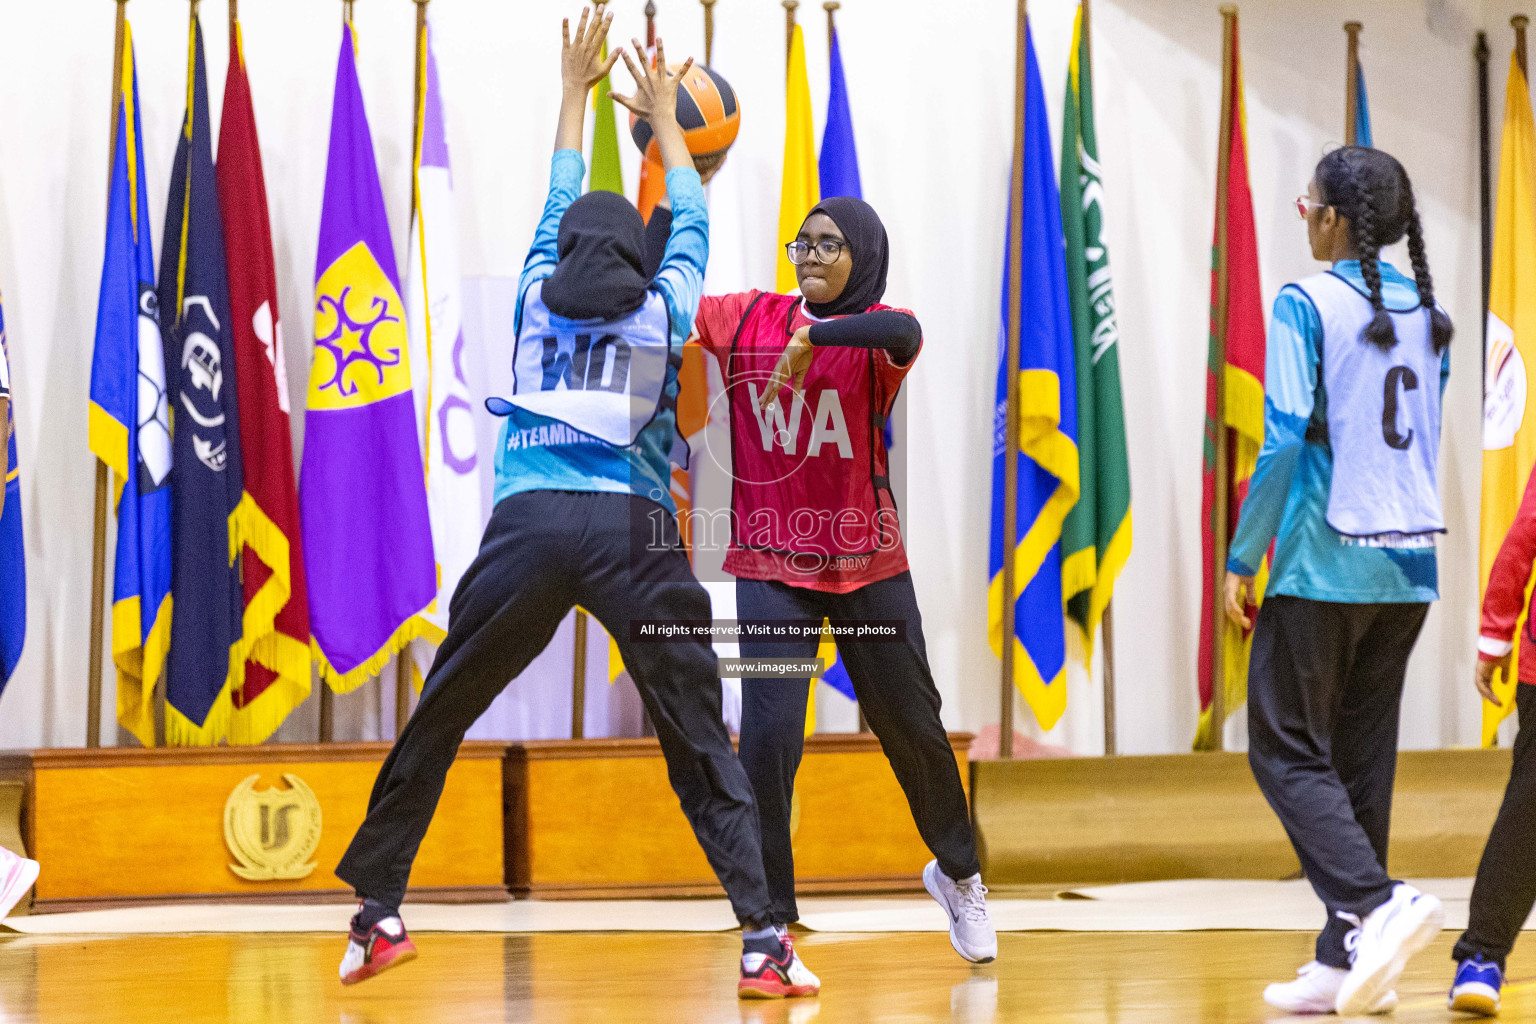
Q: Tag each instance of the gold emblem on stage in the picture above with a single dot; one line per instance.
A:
(272, 832)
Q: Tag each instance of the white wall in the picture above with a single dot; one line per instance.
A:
(931, 92)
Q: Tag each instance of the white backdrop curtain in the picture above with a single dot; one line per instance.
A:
(931, 95)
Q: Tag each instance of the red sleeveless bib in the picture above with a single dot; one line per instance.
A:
(811, 500)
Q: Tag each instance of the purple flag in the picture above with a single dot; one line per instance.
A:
(362, 491)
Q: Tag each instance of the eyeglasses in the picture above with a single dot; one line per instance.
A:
(827, 251)
(1306, 204)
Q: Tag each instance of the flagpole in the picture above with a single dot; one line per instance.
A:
(99, 531)
(831, 7)
(789, 27)
(650, 27)
(1351, 80)
(1011, 375)
(1108, 642)
(1484, 195)
(234, 18)
(709, 31)
(327, 696)
(1221, 488)
(579, 678)
(1519, 22)
(403, 659)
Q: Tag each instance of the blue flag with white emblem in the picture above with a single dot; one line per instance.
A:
(13, 563)
(207, 655)
(130, 427)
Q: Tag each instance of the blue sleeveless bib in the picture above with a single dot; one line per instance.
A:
(1383, 414)
(606, 379)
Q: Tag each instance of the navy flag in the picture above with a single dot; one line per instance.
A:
(13, 562)
(207, 653)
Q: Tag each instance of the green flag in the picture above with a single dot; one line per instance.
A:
(607, 175)
(1096, 537)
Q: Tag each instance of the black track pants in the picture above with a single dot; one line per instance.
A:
(1505, 889)
(896, 693)
(543, 552)
(1325, 681)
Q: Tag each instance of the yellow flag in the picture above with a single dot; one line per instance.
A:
(800, 190)
(1509, 428)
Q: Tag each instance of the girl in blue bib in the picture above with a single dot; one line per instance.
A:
(1346, 491)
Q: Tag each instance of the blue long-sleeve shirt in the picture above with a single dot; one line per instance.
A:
(1288, 495)
(536, 453)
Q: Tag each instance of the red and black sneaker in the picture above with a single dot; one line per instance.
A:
(767, 977)
(376, 949)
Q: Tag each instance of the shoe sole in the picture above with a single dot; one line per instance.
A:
(1478, 999)
(394, 958)
(932, 885)
(753, 988)
(1382, 978)
(24, 881)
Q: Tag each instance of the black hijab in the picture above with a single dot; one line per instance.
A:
(602, 256)
(869, 249)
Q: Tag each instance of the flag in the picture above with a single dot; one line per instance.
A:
(207, 654)
(276, 623)
(130, 423)
(13, 564)
(1243, 431)
(434, 314)
(607, 174)
(1362, 108)
(1047, 482)
(1096, 537)
(362, 493)
(1509, 429)
(839, 161)
(838, 175)
(798, 192)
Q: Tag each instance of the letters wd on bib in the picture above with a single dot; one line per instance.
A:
(370, 368)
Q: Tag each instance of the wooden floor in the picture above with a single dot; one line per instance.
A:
(1126, 978)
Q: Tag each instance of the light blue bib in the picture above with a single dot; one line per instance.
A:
(1383, 420)
(606, 379)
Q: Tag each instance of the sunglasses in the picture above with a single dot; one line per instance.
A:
(1305, 205)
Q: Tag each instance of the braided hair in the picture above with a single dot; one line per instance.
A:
(1370, 189)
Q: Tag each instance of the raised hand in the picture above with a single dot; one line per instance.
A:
(655, 100)
(581, 62)
(581, 67)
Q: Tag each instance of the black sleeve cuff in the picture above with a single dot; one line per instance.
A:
(896, 332)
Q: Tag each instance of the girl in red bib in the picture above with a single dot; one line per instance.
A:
(810, 380)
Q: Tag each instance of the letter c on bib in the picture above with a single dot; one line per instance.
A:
(1409, 381)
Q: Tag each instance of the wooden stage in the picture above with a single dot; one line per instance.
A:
(1126, 978)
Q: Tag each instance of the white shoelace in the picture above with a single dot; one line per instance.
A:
(973, 900)
(1352, 937)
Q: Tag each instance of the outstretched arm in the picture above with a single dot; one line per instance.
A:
(580, 67)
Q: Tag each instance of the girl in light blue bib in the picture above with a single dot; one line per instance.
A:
(1346, 491)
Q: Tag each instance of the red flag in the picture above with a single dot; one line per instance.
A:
(1243, 431)
(277, 671)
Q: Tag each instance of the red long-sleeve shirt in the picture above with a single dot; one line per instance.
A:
(1505, 598)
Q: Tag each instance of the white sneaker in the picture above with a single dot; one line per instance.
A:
(1389, 935)
(17, 875)
(1316, 990)
(965, 901)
